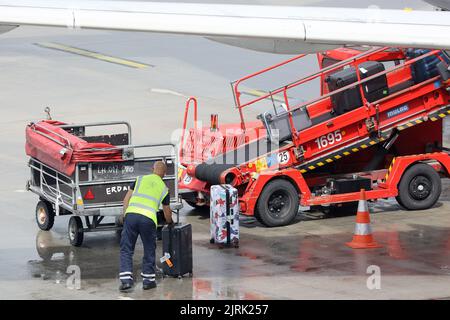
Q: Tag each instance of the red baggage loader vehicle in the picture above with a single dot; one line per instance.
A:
(377, 125)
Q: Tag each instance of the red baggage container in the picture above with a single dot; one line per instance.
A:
(61, 150)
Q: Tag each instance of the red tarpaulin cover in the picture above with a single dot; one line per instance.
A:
(72, 150)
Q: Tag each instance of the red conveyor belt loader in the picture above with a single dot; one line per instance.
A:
(377, 125)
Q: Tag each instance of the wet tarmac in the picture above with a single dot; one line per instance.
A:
(307, 260)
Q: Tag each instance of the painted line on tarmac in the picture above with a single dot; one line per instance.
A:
(260, 93)
(93, 55)
(167, 91)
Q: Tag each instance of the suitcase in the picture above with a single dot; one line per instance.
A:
(161, 222)
(377, 88)
(349, 99)
(177, 247)
(224, 215)
(425, 68)
(281, 123)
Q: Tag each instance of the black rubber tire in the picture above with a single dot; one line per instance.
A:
(270, 201)
(76, 234)
(45, 215)
(257, 217)
(421, 176)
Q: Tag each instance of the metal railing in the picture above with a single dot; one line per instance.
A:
(284, 89)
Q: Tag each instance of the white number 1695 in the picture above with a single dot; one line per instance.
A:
(329, 139)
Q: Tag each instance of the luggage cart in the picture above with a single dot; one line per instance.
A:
(96, 189)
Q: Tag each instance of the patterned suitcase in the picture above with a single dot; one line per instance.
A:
(224, 215)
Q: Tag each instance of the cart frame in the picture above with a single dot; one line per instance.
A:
(63, 194)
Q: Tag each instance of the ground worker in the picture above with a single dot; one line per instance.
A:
(140, 206)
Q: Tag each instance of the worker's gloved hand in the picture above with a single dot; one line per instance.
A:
(171, 225)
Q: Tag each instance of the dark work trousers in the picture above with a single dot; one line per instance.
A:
(137, 225)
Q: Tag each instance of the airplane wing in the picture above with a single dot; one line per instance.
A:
(277, 29)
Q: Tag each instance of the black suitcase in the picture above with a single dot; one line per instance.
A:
(177, 245)
(377, 88)
(349, 99)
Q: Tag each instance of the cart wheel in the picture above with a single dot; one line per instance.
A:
(76, 231)
(419, 188)
(278, 203)
(45, 215)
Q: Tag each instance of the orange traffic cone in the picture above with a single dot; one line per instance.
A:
(363, 239)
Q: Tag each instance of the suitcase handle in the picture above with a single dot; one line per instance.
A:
(227, 208)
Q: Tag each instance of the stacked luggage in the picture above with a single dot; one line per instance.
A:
(350, 99)
(377, 88)
(425, 68)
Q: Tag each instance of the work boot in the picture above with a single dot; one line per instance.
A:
(147, 285)
(126, 286)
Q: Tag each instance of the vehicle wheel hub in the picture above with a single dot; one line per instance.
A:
(420, 187)
(42, 216)
(73, 231)
(278, 203)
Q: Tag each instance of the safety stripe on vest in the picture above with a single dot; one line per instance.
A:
(136, 193)
(164, 193)
(362, 229)
(142, 206)
(138, 184)
(141, 195)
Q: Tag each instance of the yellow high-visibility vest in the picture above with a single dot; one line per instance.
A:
(148, 194)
